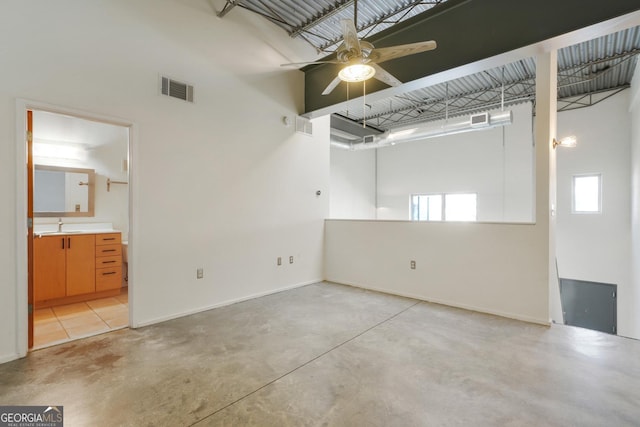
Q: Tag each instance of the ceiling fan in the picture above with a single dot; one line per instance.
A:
(361, 58)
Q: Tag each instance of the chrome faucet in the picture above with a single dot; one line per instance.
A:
(60, 225)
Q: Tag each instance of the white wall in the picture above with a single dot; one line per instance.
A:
(219, 184)
(596, 247)
(495, 268)
(635, 200)
(353, 184)
(113, 205)
(497, 164)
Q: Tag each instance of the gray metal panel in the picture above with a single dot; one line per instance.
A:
(589, 305)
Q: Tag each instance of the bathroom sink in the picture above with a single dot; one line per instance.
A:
(60, 233)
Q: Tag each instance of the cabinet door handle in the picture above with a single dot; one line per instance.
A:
(63, 243)
(111, 272)
(108, 250)
(108, 262)
(109, 238)
(69, 245)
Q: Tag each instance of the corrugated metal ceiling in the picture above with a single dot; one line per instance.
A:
(588, 72)
(318, 21)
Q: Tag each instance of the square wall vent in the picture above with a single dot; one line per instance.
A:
(304, 125)
(176, 89)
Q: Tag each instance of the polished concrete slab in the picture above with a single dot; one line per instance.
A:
(332, 355)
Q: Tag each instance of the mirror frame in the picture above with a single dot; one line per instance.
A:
(91, 193)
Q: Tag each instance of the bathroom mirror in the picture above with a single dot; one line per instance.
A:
(60, 191)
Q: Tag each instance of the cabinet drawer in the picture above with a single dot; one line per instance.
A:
(108, 278)
(109, 250)
(108, 261)
(108, 238)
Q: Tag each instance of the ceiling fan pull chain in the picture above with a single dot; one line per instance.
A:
(347, 99)
(364, 103)
(502, 95)
(446, 104)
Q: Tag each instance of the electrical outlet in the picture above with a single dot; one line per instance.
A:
(200, 273)
(279, 260)
(413, 265)
(291, 259)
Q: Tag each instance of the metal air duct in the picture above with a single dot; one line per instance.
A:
(417, 132)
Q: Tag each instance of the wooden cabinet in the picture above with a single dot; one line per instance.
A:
(63, 266)
(81, 264)
(49, 267)
(76, 267)
(108, 262)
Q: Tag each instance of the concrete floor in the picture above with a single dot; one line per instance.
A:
(331, 355)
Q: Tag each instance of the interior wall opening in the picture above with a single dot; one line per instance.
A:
(80, 227)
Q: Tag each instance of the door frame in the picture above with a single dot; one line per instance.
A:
(22, 198)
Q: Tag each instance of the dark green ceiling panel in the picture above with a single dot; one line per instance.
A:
(466, 31)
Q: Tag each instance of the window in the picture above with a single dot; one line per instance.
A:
(587, 194)
(447, 207)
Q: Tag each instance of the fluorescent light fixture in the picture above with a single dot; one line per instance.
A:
(59, 151)
(356, 73)
(569, 141)
(401, 133)
(420, 131)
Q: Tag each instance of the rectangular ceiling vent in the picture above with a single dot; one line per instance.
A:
(480, 120)
(176, 89)
(304, 125)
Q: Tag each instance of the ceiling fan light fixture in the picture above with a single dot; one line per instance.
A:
(356, 73)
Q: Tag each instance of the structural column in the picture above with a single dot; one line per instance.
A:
(634, 293)
(545, 131)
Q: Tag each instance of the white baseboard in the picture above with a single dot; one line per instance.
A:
(222, 304)
(8, 358)
(468, 307)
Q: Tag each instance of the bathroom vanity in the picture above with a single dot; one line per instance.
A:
(71, 267)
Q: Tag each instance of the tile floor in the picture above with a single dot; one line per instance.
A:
(70, 322)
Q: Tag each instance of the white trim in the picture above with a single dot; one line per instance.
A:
(528, 319)
(22, 298)
(9, 358)
(224, 303)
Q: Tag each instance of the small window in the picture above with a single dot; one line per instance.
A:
(426, 207)
(447, 207)
(587, 194)
(460, 207)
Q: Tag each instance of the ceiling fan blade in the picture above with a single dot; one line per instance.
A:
(350, 36)
(332, 86)
(384, 76)
(393, 52)
(295, 64)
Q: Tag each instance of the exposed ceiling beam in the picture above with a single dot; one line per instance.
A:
(381, 19)
(515, 91)
(230, 4)
(326, 14)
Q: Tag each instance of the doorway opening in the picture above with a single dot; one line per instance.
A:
(79, 208)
